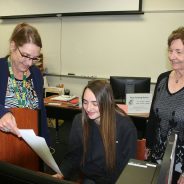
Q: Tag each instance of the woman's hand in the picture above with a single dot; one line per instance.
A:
(59, 176)
(181, 179)
(8, 124)
(147, 153)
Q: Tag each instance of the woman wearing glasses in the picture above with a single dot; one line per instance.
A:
(21, 82)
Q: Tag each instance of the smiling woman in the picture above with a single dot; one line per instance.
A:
(21, 84)
(166, 114)
(102, 137)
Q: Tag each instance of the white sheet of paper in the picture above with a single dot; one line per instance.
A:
(39, 145)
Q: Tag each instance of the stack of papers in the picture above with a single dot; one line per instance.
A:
(65, 98)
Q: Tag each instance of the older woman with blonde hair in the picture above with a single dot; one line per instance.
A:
(167, 110)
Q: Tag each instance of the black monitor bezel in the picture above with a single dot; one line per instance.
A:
(118, 84)
(10, 173)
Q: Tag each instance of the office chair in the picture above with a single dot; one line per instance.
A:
(141, 148)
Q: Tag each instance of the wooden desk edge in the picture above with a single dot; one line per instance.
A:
(141, 115)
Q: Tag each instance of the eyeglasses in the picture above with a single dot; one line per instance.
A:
(34, 60)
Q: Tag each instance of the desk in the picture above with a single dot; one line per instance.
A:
(60, 110)
(140, 121)
(139, 115)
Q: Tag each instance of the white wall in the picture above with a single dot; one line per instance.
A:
(160, 18)
(157, 5)
(105, 45)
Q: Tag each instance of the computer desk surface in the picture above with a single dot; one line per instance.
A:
(48, 102)
(66, 111)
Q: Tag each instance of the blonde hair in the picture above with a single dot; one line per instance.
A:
(25, 33)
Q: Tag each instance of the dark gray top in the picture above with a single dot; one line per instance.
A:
(166, 116)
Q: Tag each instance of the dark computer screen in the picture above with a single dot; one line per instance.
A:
(123, 85)
(12, 174)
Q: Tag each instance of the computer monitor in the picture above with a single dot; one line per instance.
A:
(123, 85)
(10, 173)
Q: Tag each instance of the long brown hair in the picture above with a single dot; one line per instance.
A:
(104, 97)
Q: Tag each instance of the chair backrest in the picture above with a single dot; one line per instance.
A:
(141, 148)
(13, 149)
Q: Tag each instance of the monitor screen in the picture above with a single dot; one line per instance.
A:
(123, 85)
(10, 173)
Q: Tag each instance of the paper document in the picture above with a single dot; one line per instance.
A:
(63, 97)
(39, 145)
(139, 102)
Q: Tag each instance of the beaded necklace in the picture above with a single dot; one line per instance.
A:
(21, 102)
